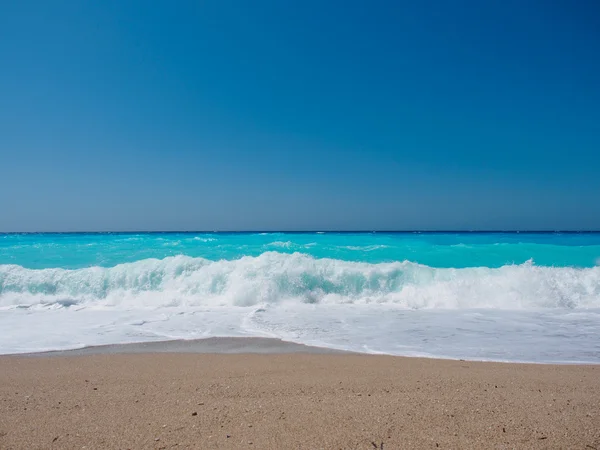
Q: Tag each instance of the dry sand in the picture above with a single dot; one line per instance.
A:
(293, 401)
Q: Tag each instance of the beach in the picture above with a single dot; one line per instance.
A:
(309, 225)
(267, 394)
(477, 296)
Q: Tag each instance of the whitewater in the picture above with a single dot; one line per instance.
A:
(484, 296)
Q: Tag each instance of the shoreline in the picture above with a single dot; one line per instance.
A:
(248, 345)
(211, 345)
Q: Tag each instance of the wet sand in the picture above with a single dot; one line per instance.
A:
(265, 394)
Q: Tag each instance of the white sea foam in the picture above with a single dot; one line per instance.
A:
(273, 277)
(516, 313)
(365, 248)
(281, 244)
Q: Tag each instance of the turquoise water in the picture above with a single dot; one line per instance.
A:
(459, 250)
(499, 296)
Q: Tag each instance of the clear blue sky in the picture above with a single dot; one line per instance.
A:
(242, 115)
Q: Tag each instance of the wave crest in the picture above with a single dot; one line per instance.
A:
(275, 277)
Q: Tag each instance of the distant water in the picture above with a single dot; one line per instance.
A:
(488, 296)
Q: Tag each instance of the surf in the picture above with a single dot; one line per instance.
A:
(273, 278)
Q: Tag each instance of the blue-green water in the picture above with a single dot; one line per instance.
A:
(73, 251)
(503, 296)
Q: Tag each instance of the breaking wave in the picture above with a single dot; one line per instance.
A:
(274, 277)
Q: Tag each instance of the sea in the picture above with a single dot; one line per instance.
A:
(517, 297)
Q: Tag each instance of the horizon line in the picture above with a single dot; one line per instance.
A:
(408, 231)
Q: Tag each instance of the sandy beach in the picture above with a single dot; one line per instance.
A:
(127, 397)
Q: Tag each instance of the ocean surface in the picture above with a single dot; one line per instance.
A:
(484, 296)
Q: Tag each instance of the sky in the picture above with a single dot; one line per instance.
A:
(299, 115)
